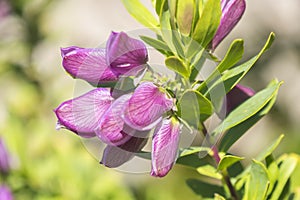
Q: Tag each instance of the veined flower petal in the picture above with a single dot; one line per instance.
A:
(115, 156)
(165, 146)
(110, 129)
(87, 64)
(146, 106)
(232, 11)
(125, 55)
(82, 114)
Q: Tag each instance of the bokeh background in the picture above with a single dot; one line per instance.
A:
(50, 164)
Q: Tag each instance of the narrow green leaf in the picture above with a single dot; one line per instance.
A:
(288, 165)
(141, 13)
(270, 148)
(184, 15)
(203, 189)
(273, 171)
(247, 109)
(231, 77)
(178, 66)
(192, 150)
(227, 161)
(238, 131)
(159, 4)
(208, 23)
(233, 55)
(166, 31)
(210, 171)
(194, 108)
(158, 45)
(258, 182)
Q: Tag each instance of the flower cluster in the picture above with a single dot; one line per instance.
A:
(125, 119)
(122, 122)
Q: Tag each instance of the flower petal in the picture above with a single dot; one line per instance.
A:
(125, 55)
(146, 106)
(110, 129)
(4, 158)
(164, 147)
(232, 11)
(5, 193)
(115, 156)
(87, 64)
(82, 114)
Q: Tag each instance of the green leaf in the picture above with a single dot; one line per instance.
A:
(203, 189)
(287, 166)
(208, 23)
(248, 108)
(258, 182)
(159, 4)
(238, 131)
(141, 13)
(158, 45)
(270, 148)
(233, 55)
(231, 77)
(192, 150)
(194, 161)
(210, 171)
(219, 197)
(178, 66)
(273, 175)
(227, 161)
(194, 108)
(184, 15)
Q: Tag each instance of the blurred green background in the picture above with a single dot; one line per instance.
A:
(48, 164)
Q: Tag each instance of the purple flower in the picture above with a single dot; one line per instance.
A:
(232, 11)
(87, 64)
(115, 156)
(146, 106)
(110, 129)
(4, 158)
(5, 193)
(125, 55)
(82, 114)
(164, 146)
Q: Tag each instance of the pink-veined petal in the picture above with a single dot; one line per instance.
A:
(110, 129)
(82, 114)
(146, 106)
(165, 147)
(125, 55)
(87, 64)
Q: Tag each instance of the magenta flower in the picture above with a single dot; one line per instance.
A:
(115, 156)
(4, 158)
(232, 11)
(146, 106)
(165, 146)
(111, 125)
(87, 64)
(82, 114)
(125, 55)
(5, 193)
